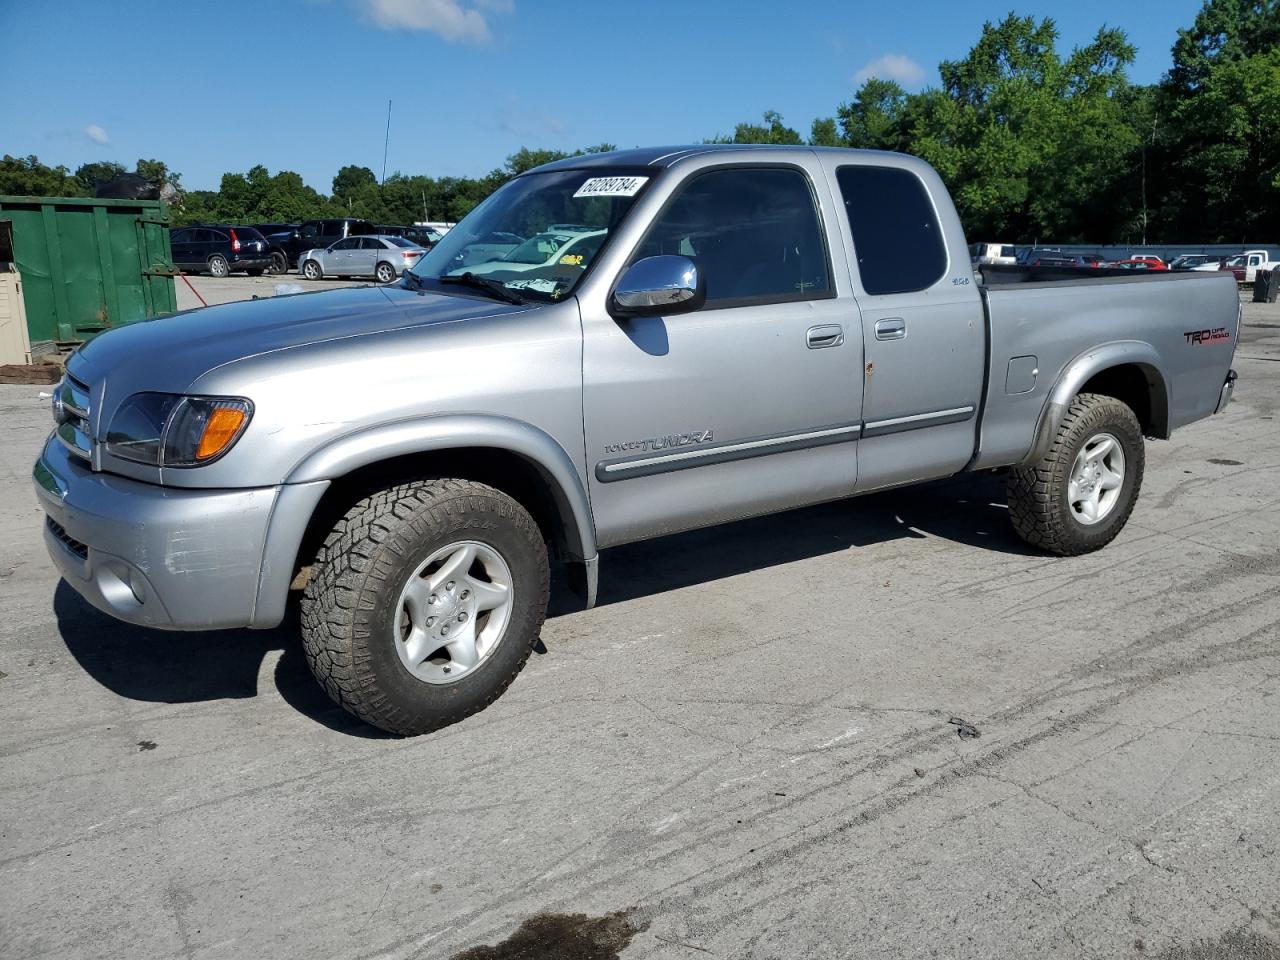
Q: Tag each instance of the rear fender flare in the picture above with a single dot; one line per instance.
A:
(1080, 371)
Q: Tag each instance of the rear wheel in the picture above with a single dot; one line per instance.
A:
(424, 603)
(218, 266)
(385, 273)
(311, 270)
(1079, 497)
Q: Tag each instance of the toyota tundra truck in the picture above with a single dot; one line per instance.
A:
(760, 328)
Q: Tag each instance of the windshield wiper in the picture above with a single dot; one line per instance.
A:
(412, 280)
(496, 287)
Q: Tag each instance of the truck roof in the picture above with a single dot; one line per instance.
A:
(666, 156)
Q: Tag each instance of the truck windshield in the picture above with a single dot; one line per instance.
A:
(534, 238)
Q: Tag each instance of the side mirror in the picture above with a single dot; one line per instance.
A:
(656, 286)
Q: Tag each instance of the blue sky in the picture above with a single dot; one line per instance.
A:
(303, 84)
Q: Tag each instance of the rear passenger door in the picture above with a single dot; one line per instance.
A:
(923, 325)
(366, 256)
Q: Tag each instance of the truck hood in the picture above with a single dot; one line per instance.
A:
(169, 353)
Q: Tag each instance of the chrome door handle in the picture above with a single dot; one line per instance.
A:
(892, 328)
(826, 335)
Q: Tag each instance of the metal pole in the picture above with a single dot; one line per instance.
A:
(385, 143)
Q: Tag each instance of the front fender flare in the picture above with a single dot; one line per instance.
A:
(1079, 372)
(423, 435)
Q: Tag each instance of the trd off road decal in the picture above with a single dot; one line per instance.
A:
(1202, 337)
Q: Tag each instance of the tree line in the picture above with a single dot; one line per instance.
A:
(1034, 143)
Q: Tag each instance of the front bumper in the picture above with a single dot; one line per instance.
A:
(154, 556)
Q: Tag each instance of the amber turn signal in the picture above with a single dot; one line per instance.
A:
(220, 429)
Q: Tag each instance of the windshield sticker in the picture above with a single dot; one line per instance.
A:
(571, 260)
(540, 284)
(611, 187)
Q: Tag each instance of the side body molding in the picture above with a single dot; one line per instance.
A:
(1088, 365)
(447, 432)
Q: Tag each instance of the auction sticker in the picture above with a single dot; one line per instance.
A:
(611, 187)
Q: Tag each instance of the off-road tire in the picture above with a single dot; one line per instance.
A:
(218, 266)
(353, 594)
(1037, 494)
(311, 270)
(384, 272)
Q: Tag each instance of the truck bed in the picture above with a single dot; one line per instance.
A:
(1177, 329)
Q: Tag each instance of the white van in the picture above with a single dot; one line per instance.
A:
(986, 254)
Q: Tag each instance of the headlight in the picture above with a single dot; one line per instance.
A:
(171, 431)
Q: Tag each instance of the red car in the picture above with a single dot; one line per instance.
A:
(1237, 266)
(1135, 264)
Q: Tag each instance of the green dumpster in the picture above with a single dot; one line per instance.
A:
(89, 265)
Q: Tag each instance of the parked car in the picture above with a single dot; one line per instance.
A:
(1190, 261)
(279, 260)
(427, 450)
(424, 237)
(1033, 253)
(1149, 258)
(1236, 266)
(1067, 260)
(1139, 263)
(993, 254)
(383, 258)
(288, 246)
(219, 250)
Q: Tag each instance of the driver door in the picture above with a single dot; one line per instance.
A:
(748, 405)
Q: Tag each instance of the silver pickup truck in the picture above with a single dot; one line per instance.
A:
(664, 339)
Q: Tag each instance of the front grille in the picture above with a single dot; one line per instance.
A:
(68, 541)
(73, 424)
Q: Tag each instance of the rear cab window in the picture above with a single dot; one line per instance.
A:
(897, 238)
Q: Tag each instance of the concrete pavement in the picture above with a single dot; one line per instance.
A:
(750, 749)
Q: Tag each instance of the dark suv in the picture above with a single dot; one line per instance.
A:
(288, 245)
(219, 249)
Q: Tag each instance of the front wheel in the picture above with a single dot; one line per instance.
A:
(311, 270)
(279, 263)
(218, 266)
(1079, 497)
(424, 603)
(385, 273)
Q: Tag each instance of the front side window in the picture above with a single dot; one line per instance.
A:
(522, 241)
(350, 243)
(753, 232)
(896, 234)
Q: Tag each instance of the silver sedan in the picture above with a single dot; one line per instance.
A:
(381, 257)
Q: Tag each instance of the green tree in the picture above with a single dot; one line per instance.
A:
(773, 130)
(874, 119)
(88, 175)
(823, 133)
(1224, 31)
(27, 176)
(351, 180)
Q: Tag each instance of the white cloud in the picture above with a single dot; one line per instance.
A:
(451, 20)
(97, 134)
(892, 66)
